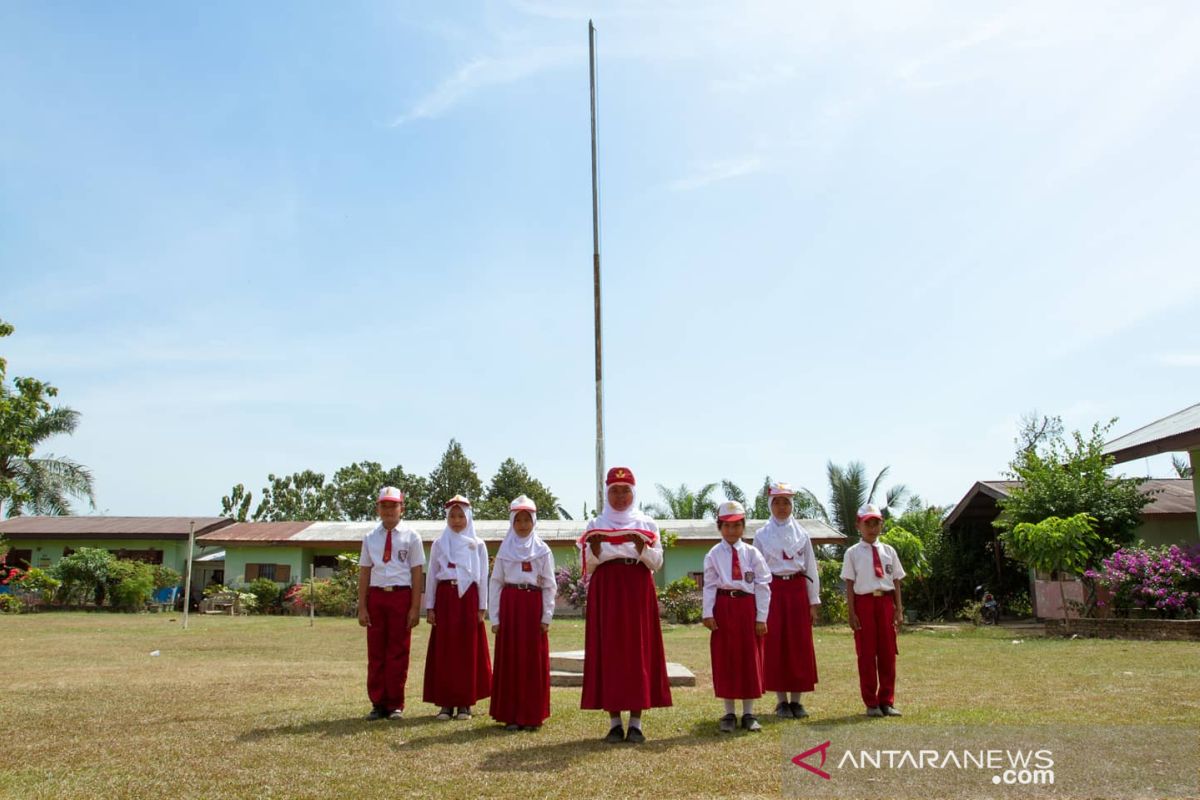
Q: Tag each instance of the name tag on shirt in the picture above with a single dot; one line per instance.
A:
(526, 566)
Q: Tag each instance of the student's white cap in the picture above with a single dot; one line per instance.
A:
(458, 500)
(730, 511)
(390, 494)
(869, 511)
(522, 503)
(780, 489)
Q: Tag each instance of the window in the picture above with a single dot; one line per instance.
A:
(325, 561)
(698, 577)
(20, 558)
(280, 573)
(150, 556)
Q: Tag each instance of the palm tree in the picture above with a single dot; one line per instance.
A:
(682, 503)
(848, 492)
(42, 485)
(1182, 468)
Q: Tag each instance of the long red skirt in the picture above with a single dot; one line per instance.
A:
(521, 679)
(790, 661)
(624, 665)
(458, 667)
(736, 649)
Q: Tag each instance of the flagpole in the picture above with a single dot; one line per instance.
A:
(596, 277)
(187, 582)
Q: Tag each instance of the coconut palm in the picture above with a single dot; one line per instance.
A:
(1183, 468)
(849, 491)
(44, 484)
(682, 503)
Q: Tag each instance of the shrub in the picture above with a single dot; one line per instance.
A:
(972, 612)
(165, 577)
(267, 594)
(833, 591)
(84, 574)
(681, 601)
(332, 598)
(11, 604)
(38, 582)
(130, 585)
(572, 584)
(1163, 578)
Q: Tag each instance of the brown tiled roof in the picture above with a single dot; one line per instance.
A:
(1167, 496)
(265, 532)
(107, 527)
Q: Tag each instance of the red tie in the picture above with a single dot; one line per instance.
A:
(737, 567)
(387, 548)
(878, 563)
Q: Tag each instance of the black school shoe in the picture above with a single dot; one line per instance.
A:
(727, 723)
(377, 713)
(750, 723)
(784, 710)
(635, 735)
(512, 726)
(616, 735)
(889, 711)
(798, 711)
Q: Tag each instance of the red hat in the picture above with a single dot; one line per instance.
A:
(620, 475)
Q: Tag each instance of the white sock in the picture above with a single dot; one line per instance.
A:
(635, 722)
(781, 697)
(747, 706)
(796, 697)
(729, 706)
(614, 722)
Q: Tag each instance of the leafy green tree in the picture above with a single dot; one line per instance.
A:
(511, 480)
(356, 490)
(455, 474)
(236, 504)
(299, 496)
(129, 584)
(1183, 468)
(29, 483)
(84, 573)
(1064, 476)
(1055, 545)
(683, 503)
(849, 490)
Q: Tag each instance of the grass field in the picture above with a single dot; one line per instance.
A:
(269, 707)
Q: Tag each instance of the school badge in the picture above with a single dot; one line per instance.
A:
(888, 569)
(748, 577)
(402, 555)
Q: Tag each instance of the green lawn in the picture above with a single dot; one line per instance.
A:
(269, 707)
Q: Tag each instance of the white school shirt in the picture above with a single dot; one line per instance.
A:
(407, 553)
(859, 566)
(718, 574)
(652, 554)
(805, 562)
(439, 571)
(541, 573)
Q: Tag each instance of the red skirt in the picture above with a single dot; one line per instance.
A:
(458, 667)
(790, 661)
(624, 665)
(736, 649)
(521, 680)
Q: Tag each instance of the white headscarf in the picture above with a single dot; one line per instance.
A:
(463, 550)
(611, 519)
(788, 535)
(522, 548)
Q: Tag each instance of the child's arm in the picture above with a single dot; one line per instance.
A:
(651, 554)
(853, 616)
(495, 586)
(431, 585)
(814, 578)
(414, 608)
(709, 593)
(898, 617)
(549, 590)
(762, 593)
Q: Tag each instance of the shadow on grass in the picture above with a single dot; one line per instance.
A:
(456, 734)
(333, 727)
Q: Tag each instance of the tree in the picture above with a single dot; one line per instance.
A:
(849, 491)
(300, 496)
(1063, 476)
(84, 572)
(29, 483)
(455, 474)
(682, 503)
(356, 490)
(1183, 468)
(1054, 545)
(804, 505)
(236, 504)
(511, 480)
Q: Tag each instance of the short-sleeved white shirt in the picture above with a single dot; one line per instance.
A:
(859, 566)
(407, 553)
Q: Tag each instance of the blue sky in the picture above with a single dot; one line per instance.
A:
(253, 238)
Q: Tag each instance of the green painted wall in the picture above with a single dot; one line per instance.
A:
(236, 559)
(1194, 458)
(47, 552)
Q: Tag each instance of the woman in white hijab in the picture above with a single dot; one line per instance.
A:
(458, 666)
(624, 665)
(521, 605)
(789, 658)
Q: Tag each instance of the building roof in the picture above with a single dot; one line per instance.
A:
(94, 527)
(1168, 497)
(1171, 434)
(333, 534)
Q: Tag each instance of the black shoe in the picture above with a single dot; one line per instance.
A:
(377, 713)
(889, 710)
(531, 728)
(635, 735)
(727, 723)
(512, 726)
(750, 723)
(783, 711)
(616, 735)
(798, 711)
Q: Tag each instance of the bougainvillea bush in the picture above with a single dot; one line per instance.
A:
(1166, 579)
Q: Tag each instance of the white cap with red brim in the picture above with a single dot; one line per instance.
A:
(522, 503)
(869, 511)
(730, 511)
(780, 489)
(458, 500)
(390, 494)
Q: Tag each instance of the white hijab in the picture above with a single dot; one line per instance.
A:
(463, 551)
(522, 548)
(788, 535)
(630, 518)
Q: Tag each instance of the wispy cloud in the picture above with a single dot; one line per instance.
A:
(718, 171)
(484, 72)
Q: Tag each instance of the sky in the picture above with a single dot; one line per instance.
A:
(258, 238)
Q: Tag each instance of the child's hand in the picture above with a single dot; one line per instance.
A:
(414, 617)
(760, 628)
(430, 617)
(364, 618)
(898, 619)
(854, 623)
(816, 614)
(495, 629)
(595, 543)
(545, 627)
(482, 615)
(640, 545)
(710, 623)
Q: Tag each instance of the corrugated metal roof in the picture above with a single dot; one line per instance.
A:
(108, 527)
(1172, 434)
(551, 530)
(1168, 496)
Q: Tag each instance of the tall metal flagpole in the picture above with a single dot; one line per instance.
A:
(596, 277)
(187, 581)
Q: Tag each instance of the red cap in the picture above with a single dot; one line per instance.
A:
(620, 475)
